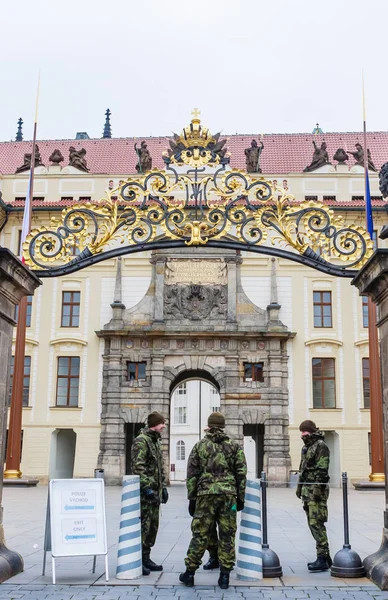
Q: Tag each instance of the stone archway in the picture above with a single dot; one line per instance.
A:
(196, 319)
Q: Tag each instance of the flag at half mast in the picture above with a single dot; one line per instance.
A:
(368, 201)
(26, 226)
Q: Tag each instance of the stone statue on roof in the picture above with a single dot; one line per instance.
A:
(341, 156)
(383, 180)
(26, 166)
(144, 157)
(358, 156)
(252, 157)
(77, 159)
(320, 158)
(56, 157)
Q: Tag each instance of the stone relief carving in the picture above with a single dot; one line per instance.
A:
(195, 301)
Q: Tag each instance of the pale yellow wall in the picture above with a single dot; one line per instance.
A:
(46, 340)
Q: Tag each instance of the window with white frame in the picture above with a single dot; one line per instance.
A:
(180, 405)
(180, 450)
(215, 402)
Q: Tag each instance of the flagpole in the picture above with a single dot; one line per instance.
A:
(376, 400)
(14, 441)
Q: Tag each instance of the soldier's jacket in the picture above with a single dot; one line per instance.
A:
(147, 461)
(216, 465)
(314, 467)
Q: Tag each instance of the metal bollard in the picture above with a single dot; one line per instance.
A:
(271, 562)
(129, 561)
(346, 563)
(249, 558)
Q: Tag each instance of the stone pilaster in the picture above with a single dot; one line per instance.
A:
(372, 280)
(16, 281)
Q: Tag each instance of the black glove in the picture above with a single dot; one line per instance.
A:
(149, 494)
(164, 496)
(192, 504)
(240, 504)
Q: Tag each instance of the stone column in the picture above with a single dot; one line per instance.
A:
(277, 460)
(16, 281)
(112, 437)
(159, 264)
(372, 281)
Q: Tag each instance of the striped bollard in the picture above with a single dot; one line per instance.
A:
(249, 558)
(129, 562)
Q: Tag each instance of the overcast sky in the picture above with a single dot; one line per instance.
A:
(249, 65)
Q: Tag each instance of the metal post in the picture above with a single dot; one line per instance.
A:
(249, 559)
(129, 562)
(346, 563)
(271, 562)
(346, 509)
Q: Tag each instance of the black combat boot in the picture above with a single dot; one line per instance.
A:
(145, 570)
(223, 580)
(187, 578)
(149, 564)
(212, 563)
(321, 564)
(328, 558)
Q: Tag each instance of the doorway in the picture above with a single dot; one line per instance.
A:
(131, 431)
(192, 401)
(62, 454)
(254, 448)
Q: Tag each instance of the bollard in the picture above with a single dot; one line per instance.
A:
(346, 563)
(271, 562)
(249, 558)
(129, 561)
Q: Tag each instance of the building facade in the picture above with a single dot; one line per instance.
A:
(273, 341)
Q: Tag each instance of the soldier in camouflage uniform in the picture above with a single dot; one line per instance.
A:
(147, 461)
(216, 480)
(313, 490)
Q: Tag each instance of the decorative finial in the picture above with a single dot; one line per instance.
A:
(107, 130)
(317, 130)
(196, 113)
(19, 134)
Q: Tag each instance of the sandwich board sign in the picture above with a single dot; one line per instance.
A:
(77, 521)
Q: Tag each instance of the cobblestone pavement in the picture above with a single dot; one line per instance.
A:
(24, 518)
(68, 592)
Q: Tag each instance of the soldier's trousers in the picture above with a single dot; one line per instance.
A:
(212, 542)
(213, 510)
(316, 513)
(149, 516)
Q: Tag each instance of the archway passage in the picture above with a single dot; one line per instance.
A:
(193, 399)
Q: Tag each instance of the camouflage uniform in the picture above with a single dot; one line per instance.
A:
(216, 478)
(314, 467)
(147, 461)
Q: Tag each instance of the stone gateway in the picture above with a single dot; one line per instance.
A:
(195, 321)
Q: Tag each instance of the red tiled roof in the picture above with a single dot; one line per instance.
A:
(283, 153)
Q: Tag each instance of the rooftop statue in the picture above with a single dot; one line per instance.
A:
(358, 156)
(252, 157)
(320, 158)
(341, 156)
(26, 166)
(144, 157)
(77, 159)
(56, 157)
(383, 180)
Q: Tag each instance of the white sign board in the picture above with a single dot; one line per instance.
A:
(77, 517)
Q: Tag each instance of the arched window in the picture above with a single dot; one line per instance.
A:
(180, 450)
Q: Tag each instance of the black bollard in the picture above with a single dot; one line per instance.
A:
(271, 562)
(346, 563)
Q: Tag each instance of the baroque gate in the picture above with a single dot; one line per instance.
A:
(196, 216)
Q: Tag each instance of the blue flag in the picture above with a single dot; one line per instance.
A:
(368, 206)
